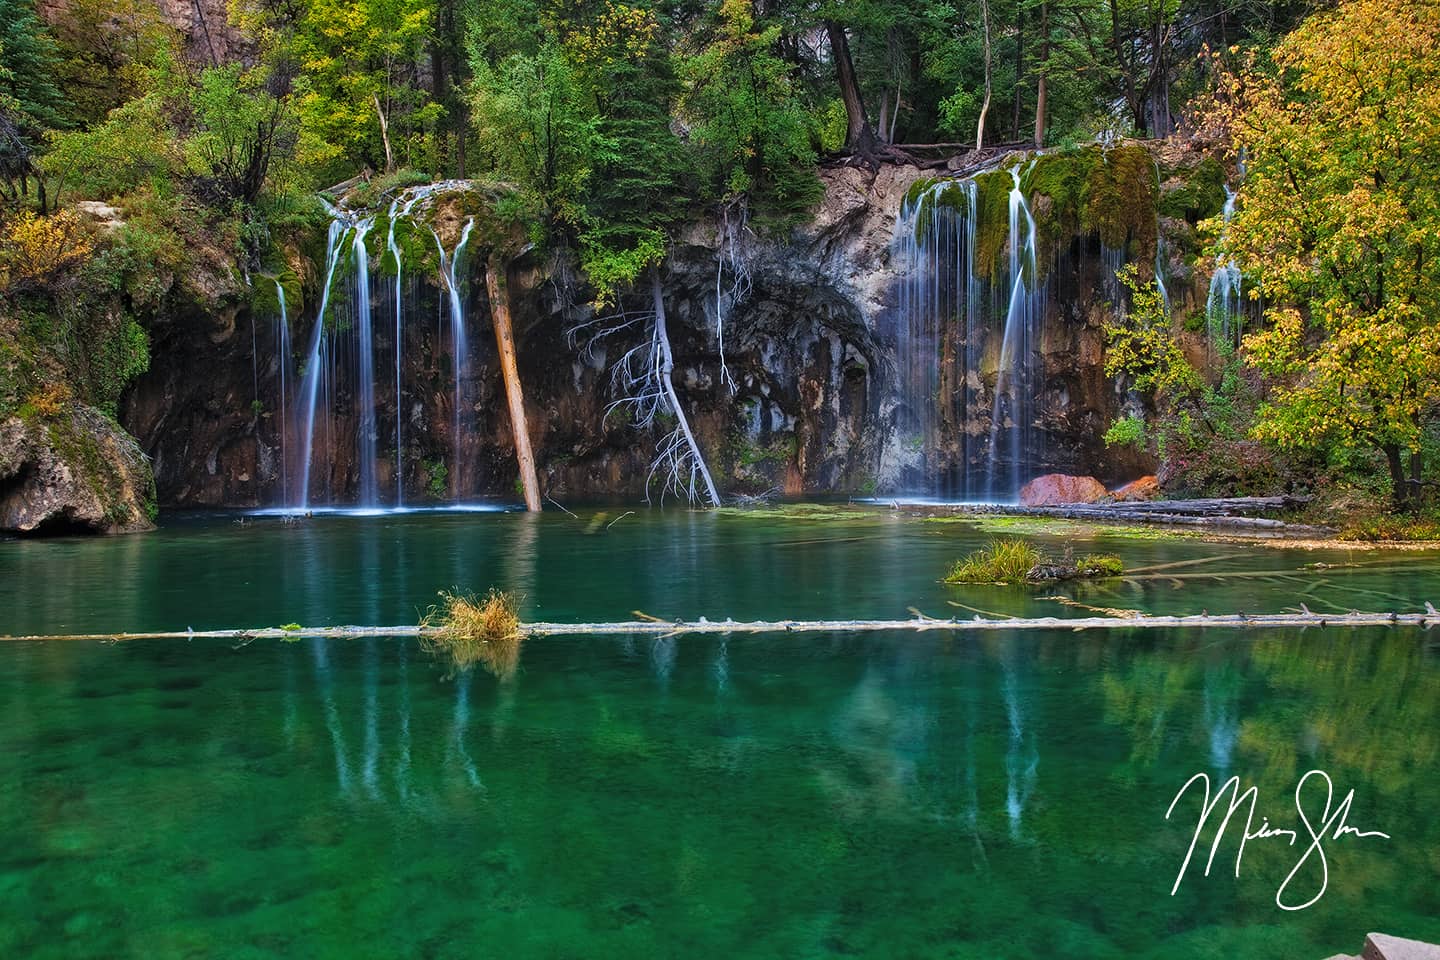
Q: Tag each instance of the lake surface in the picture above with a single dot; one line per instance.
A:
(898, 795)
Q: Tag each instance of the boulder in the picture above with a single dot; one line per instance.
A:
(1146, 488)
(1059, 489)
(72, 471)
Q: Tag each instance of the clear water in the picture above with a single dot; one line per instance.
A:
(745, 796)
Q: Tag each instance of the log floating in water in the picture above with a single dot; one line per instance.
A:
(1430, 617)
(1214, 512)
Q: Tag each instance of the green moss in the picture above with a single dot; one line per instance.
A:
(992, 207)
(1099, 565)
(1063, 178)
(1120, 201)
(1199, 194)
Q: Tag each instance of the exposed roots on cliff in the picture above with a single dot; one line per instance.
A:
(643, 378)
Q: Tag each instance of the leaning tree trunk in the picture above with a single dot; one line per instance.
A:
(985, 106)
(495, 282)
(859, 135)
(667, 383)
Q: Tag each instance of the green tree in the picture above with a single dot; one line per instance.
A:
(749, 127)
(359, 94)
(30, 102)
(1339, 227)
(240, 131)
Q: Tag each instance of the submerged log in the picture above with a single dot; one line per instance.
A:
(1306, 618)
(1226, 512)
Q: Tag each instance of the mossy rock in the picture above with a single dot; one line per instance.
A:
(992, 232)
(1196, 193)
(1064, 179)
(1121, 200)
(73, 471)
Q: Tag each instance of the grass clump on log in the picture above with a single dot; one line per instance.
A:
(465, 630)
(1004, 561)
(1010, 560)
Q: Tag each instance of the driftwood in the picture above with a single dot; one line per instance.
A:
(1305, 618)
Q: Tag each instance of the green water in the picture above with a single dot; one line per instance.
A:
(750, 796)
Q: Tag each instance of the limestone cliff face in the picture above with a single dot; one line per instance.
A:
(203, 25)
(808, 399)
(73, 471)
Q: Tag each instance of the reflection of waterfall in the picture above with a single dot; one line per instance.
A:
(1022, 759)
(371, 773)
(402, 762)
(460, 723)
(1222, 719)
(320, 654)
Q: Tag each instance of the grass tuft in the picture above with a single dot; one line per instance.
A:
(1012, 560)
(1005, 561)
(466, 630)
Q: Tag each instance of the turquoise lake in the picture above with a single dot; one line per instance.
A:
(891, 795)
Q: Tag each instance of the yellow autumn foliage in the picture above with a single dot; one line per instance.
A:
(1338, 225)
(35, 250)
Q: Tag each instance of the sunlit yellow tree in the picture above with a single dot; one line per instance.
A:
(1339, 227)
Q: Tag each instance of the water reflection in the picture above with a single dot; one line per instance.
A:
(851, 779)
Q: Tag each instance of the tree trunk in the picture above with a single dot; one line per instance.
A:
(859, 135)
(496, 283)
(1040, 80)
(667, 383)
(985, 106)
(1019, 73)
(1400, 485)
(1127, 75)
(384, 134)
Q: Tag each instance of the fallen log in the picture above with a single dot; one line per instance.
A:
(1217, 514)
(1305, 618)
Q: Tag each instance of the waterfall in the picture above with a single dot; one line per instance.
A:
(939, 333)
(317, 357)
(1017, 381)
(1223, 303)
(946, 315)
(1160, 270)
(399, 353)
(399, 209)
(459, 346)
(282, 347)
(336, 402)
(365, 395)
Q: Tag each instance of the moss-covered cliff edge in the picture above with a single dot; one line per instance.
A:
(803, 404)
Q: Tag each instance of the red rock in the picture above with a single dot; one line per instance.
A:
(1057, 489)
(1146, 488)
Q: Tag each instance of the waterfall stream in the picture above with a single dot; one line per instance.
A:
(947, 315)
(1013, 412)
(342, 385)
(1222, 305)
